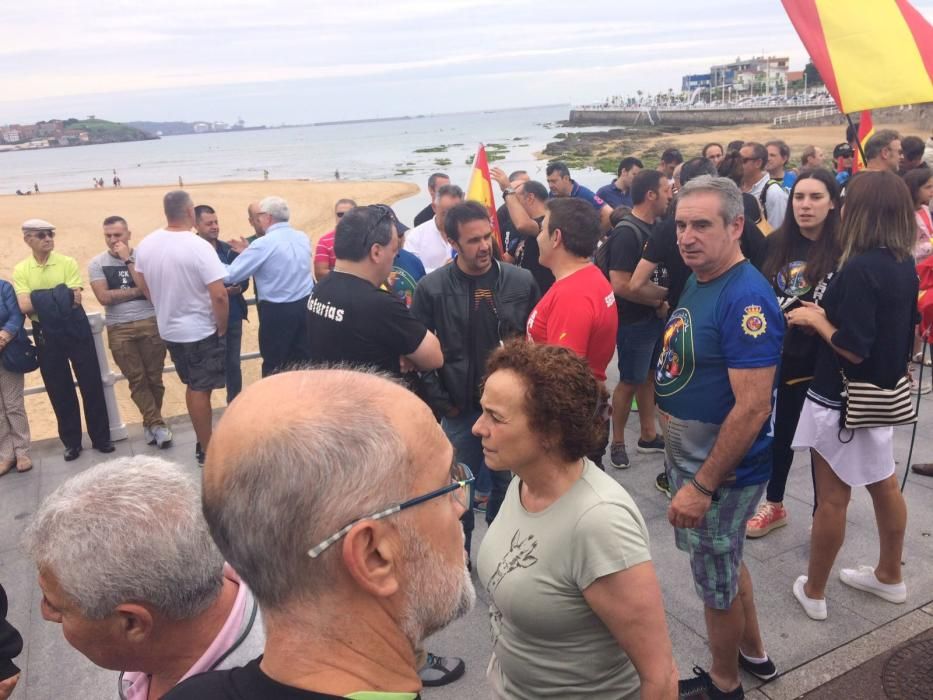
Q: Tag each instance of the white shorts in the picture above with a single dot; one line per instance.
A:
(866, 459)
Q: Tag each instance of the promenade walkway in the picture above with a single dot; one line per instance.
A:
(809, 654)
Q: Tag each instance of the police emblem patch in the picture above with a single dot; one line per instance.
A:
(754, 322)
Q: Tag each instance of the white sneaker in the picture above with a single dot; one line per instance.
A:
(149, 435)
(815, 609)
(163, 436)
(864, 579)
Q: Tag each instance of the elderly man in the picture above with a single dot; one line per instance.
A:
(428, 240)
(132, 332)
(48, 289)
(714, 379)
(280, 261)
(127, 567)
(182, 277)
(883, 151)
(371, 561)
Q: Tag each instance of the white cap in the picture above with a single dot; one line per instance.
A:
(37, 225)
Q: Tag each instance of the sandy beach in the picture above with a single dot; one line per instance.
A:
(78, 216)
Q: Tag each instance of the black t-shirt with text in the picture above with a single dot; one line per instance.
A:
(242, 683)
(626, 243)
(528, 257)
(350, 320)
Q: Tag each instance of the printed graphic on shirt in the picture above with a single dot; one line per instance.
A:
(676, 362)
(520, 556)
(791, 279)
(531, 323)
(325, 310)
(754, 323)
(118, 277)
(403, 284)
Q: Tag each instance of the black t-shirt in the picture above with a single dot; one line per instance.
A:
(242, 683)
(626, 243)
(484, 324)
(350, 320)
(424, 215)
(662, 250)
(528, 257)
(872, 301)
(510, 237)
(791, 285)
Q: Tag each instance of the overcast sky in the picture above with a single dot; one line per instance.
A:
(297, 61)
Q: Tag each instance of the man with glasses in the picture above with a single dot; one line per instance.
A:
(280, 262)
(770, 193)
(352, 318)
(473, 305)
(324, 259)
(346, 532)
(48, 289)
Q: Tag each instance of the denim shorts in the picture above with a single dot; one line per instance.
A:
(637, 344)
(715, 545)
(201, 365)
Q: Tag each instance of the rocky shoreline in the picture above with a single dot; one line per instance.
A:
(602, 150)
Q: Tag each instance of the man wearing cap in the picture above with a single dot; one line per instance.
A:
(48, 289)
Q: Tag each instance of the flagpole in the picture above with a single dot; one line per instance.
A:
(858, 141)
(913, 434)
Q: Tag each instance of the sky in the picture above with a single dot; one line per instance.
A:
(299, 61)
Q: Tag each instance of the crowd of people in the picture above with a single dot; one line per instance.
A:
(466, 374)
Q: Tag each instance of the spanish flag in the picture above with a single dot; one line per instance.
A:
(866, 129)
(870, 53)
(480, 190)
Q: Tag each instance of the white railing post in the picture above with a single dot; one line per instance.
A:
(117, 426)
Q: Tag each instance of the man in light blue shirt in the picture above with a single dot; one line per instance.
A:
(280, 261)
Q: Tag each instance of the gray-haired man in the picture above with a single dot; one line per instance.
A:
(342, 516)
(128, 568)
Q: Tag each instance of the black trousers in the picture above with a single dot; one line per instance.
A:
(54, 358)
(283, 335)
(790, 398)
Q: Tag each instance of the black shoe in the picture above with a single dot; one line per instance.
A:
(702, 686)
(199, 453)
(765, 670)
(106, 447)
(440, 670)
(72, 453)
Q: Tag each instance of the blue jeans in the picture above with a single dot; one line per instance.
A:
(469, 449)
(234, 375)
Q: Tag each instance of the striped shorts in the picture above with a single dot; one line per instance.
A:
(715, 545)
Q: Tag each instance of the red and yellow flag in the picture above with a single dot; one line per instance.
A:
(866, 129)
(480, 190)
(870, 53)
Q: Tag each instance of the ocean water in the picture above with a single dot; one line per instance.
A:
(364, 151)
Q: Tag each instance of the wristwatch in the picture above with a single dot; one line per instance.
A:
(507, 191)
(130, 260)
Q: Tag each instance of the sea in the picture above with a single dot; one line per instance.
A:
(376, 150)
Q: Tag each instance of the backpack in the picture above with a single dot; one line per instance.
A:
(601, 256)
(763, 224)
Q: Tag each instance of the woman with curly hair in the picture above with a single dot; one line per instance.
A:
(574, 601)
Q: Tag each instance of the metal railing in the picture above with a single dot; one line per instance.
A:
(682, 107)
(828, 111)
(109, 378)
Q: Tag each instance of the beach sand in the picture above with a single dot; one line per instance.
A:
(78, 216)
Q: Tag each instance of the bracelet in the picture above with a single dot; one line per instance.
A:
(699, 487)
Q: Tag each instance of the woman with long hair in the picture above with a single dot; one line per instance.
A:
(866, 322)
(920, 183)
(802, 256)
(574, 601)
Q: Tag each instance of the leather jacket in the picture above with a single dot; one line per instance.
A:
(442, 302)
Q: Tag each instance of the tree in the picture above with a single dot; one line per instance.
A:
(813, 75)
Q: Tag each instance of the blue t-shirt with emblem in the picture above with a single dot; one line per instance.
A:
(731, 322)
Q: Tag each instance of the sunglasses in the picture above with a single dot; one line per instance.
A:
(42, 235)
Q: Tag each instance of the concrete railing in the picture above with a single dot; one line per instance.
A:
(801, 116)
(110, 378)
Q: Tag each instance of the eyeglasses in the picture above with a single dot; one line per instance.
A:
(749, 160)
(42, 235)
(461, 477)
(340, 214)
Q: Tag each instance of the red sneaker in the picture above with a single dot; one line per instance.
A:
(770, 516)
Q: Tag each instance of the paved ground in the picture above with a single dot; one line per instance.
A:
(808, 653)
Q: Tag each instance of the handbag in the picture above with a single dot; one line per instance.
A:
(20, 355)
(867, 405)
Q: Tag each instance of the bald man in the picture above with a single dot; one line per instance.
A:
(285, 475)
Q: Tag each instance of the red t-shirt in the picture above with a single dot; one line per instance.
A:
(579, 312)
(324, 251)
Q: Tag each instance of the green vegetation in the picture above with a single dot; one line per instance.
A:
(432, 149)
(442, 161)
(102, 131)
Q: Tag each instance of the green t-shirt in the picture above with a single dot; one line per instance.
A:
(547, 642)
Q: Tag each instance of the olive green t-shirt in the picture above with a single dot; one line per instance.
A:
(547, 642)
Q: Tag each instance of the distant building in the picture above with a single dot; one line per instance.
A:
(220, 126)
(689, 83)
(10, 135)
(53, 127)
(201, 127)
(27, 131)
(759, 74)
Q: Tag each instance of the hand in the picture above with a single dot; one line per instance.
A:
(405, 365)
(498, 174)
(121, 250)
(688, 507)
(238, 244)
(7, 686)
(662, 311)
(392, 279)
(77, 297)
(807, 315)
(5, 337)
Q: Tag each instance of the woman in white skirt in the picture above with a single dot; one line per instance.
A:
(866, 321)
